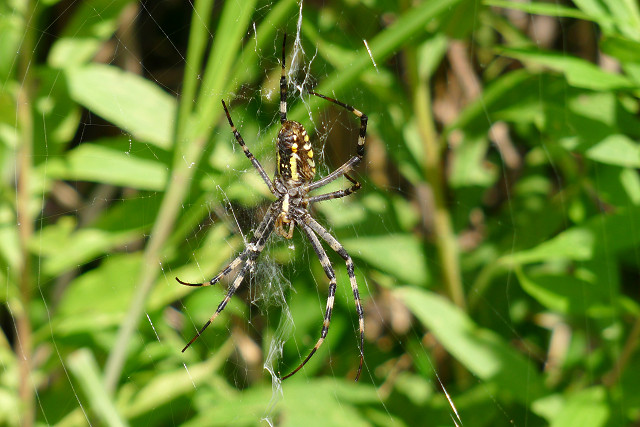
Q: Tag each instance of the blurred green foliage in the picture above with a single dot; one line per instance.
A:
(496, 236)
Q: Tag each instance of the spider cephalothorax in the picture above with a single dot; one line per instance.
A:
(293, 181)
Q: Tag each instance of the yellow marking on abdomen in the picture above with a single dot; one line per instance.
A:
(293, 165)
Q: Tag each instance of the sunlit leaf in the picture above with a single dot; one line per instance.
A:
(84, 366)
(91, 25)
(539, 8)
(481, 351)
(576, 244)
(99, 163)
(586, 408)
(399, 255)
(63, 248)
(579, 73)
(568, 294)
(128, 101)
(99, 298)
(617, 150)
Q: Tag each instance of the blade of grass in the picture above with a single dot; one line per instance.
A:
(538, 8)
(198, 38)
(233, 24)
(247, 65)
(84, 367)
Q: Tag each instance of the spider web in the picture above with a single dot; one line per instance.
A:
(86, 263)
(268, 286)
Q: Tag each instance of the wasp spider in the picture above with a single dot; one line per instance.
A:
(291, 186)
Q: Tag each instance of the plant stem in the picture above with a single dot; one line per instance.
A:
(24, 344)
(151, 260)
(612, 377)
(194, 130)
(445, 237)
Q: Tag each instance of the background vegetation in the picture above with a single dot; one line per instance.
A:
(496, 237)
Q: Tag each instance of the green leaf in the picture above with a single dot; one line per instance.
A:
(91, 25)
(400, 255)
(56, 115)
(308, 402)
(165, 387)
(574, 244)
(568, 294)
(619, 150)
(627, 16)
(579, 73)
(602, 14)
(602, 233)
(84, 367)
(12, 31)
(127, 100)
(622, 48)
(539, 8)
(99, 163)
(469, 166)
(586, 408)
(481, 351)
(9, 239)
(63, 248)
(108, 288)
(511, 90)
(382, 46)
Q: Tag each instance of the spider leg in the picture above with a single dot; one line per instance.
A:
(254, 161)
(257, 236)
(337, 194)
(353, 161)
(253, 250)
(232, 290)
(283, 85)
(328, 269)
(228, 269)
(339, 249)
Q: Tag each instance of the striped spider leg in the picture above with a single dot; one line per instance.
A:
(247, 257)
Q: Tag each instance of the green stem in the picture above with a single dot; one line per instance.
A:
(612, 378)
(446, 241)
(198, 39)
(151, 260)
(24, 344)
(188, 146)
(482, 282)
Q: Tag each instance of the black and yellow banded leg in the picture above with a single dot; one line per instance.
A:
(337, 194)
(340, 250)
(328, 269)
(248, 256)
(260, 234)
(232, 290)
(248, 153)
(353, 161)
(283, 85)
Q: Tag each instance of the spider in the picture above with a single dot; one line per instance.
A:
(291, 186)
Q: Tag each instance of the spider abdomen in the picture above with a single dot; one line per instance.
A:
(295, 154)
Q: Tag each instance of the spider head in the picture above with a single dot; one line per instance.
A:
(295, 155)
